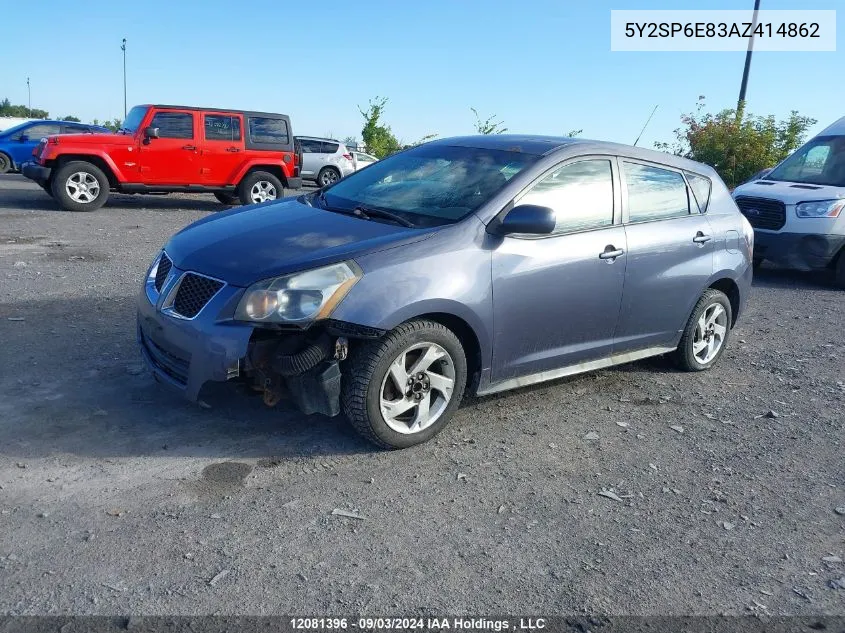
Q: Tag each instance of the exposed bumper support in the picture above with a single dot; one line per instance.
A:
(801, 251)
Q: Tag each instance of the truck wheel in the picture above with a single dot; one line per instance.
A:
(227, 199)
(5, 163)
(80, 186)
(328, 176)
(259, 186)
(706, 333)
(402, 389)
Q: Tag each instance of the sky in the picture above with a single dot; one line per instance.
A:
(540, 66)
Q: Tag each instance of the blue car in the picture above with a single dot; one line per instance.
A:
(476, 264)
(17, 143)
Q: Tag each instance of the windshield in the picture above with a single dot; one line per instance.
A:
(433, 184)
(15, 128)
(134, 118)
(819, 162)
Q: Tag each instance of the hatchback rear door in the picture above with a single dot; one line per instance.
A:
(670, 255)
(556, 298)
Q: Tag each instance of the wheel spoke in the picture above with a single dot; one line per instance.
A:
(442, 384)
(398, 373)
(719, 330)
(395, 408)
(697, 346)
(425, 361)
(715, 312)
(421, 417)
(711, 348)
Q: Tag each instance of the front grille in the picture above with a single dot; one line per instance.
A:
(763, 213)
(194, 292)
(164, 266)
(170, 364)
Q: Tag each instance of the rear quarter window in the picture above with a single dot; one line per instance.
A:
(329, 148)
(266, 130)
(701, 188)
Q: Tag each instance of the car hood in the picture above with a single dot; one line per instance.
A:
(788, 192)
(249, 244)
(94, 139)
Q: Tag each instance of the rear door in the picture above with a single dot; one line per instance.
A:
(313, 158)
(222, 147)
(174, 157)
(670, 256)
(556, 298)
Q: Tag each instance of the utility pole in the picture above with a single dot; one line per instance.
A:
(740, 103)
(28, 98)
(123, 48)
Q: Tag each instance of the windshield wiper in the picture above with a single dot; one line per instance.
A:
(365, 212)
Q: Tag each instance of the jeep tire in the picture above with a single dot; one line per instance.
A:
(260, 186)
(80, 186)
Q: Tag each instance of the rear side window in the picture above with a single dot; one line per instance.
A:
(222, 127)
(265, 130)
(174, 124)
(329, 148)
(654, 193)
(581, 195)
(309, 146)
(700, 190)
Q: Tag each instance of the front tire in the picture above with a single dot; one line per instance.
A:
(258, 187)
(5, 163)
(402, 389)
(706, 334)
(80, 186)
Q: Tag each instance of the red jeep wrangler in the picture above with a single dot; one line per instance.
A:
(236, 155)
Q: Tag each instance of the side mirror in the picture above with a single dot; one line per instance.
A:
(528, 218)
(23, 138)
(151, 132)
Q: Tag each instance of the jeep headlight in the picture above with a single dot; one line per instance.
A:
(300, 297)
(819, 209)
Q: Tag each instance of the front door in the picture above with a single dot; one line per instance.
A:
(670, 256)
(26, 140)
(556, 298)
(174, 157)
(222, 148)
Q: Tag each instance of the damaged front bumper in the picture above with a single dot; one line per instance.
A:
(187, 354)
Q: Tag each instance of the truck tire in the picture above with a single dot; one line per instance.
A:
(258, 187)
(80, 186)
(227, 199)
(402, 389)
(5, 163)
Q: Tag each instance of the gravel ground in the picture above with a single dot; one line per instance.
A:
(117, 497)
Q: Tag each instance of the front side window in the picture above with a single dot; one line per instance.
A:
(174, 124)
(266, 130)
(37, 132)
(581, 195)
(222, 127)
(655, 193)
(430, 184)
(819, 162)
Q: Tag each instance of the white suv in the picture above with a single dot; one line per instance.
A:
(324, 160)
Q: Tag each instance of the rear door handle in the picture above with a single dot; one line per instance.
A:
(611, 252)
(192, 148)
(701, 238)
(232, 149)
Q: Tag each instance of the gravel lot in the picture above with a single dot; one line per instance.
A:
(117, 497)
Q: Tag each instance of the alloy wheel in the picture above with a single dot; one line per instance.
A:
(710, 333)
(417, 388)
(262, 191)
(82, 187)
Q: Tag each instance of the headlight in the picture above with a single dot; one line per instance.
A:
(299, 297)
(820, 209)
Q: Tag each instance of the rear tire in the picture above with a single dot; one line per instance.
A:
(258, 187)
(80, 186)
(5, 163)
(227, 199)
(327, 176)
(426, 398)
(706, 333)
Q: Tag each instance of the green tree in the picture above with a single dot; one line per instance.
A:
(21, 111)
(377, 136)
(350, 141)
(737, 144)
(71, 118)
(489, 125)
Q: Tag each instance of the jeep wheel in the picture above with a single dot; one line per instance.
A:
(328, 176)
(227, 199)
(259, 186)
(5, 163)
(80, 186)
(402, 389)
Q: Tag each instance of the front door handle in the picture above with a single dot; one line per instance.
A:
(611, 252)
(701, 238)
(192, 148)
(232, 149)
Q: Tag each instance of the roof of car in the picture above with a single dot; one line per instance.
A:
(199, 109)
(317, 138)
(543, 145)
